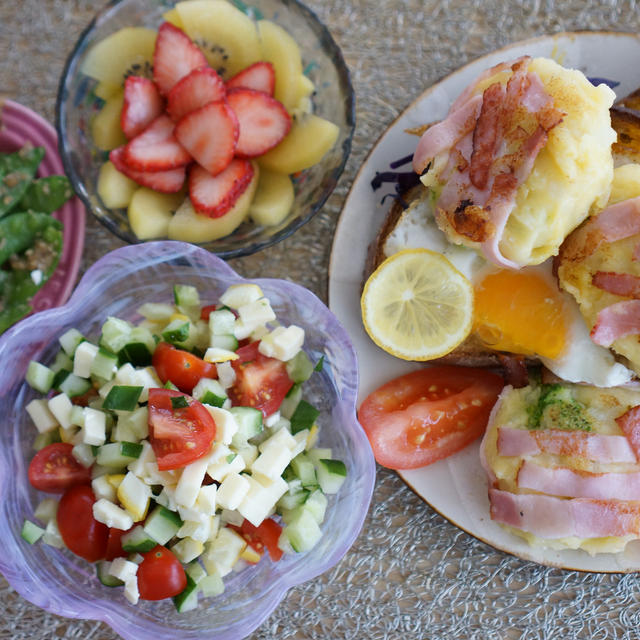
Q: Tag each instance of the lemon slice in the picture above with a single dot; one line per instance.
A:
(417, 306)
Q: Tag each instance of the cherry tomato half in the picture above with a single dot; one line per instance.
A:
(54, 469)
(178, 435)
(428, 414)
(261, 382)
(114, 544)
(266, 535)
(81, 532)
(181, 367)
(160, 575)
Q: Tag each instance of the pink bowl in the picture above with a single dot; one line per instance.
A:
(19, 126)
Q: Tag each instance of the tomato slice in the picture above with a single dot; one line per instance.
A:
(54, 469)
(429, 414)
(178, 435)
(80, 531)
(266, 535)
(180, 367)
(160, 575)
(261, 382)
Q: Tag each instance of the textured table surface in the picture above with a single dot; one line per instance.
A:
(410, 574)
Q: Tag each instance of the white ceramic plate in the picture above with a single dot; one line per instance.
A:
(456, 487)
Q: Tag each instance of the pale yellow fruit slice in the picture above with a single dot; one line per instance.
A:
(189, 226)
(279, 48)
(106, 90)
(173, 17)
(273, 199)
(106, 131)
(417, 306)
(128, 51)
(150, 212)
(228, 38)
(306, 143)
(114, 188)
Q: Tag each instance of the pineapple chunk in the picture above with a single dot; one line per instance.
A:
(105, 90)
(125, 52)
(150, 212)
(279, 48)
(114, 188)
(189, 226)
(173, 17)
(227, 37)
(106, 131)
(308, 141)
(273, 199)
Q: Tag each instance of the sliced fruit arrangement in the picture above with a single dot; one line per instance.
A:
(198, 108)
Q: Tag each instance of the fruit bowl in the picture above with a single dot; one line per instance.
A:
(332, 99)
(117, 284)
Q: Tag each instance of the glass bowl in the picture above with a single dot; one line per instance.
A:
(333, 100)
(117, 284)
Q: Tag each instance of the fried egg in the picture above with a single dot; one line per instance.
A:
(522, 311)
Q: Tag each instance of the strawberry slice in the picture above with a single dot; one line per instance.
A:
(264, 121)
(174, 57)
(200, 87)
(142, 105)
(259, 76)
(156, 148)
(213, 196)
(164, 181)
(209, 134)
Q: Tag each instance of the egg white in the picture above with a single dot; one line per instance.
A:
(581, 360)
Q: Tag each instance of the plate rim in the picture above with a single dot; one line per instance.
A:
(523, 555)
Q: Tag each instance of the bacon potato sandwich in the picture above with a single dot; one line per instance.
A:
(522, 159)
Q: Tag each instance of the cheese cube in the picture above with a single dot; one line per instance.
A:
(190, 482)
(301, 438)
(167, 498)
(253, 315)
(206, 500)
(131, 592)
(219, 470)
(261, 499)
(187, 549)
(60, 406)
(52, 535)
(229, 516)
(137, 421)
(134, 495)
(94, 430)
(137, 466)
(238, 295)
(217, 355)
(282, 343)
(46, 510)
(126, 375)
(123, 569)
(226, 374)
(282, 438)
(41, 415)
(146, 378)
(83, 454)
(271, 420)
(83, 358)
(223, 552)
(111, 515)
(272, 462)
(249, 453)
(232, 491)
(226, 424)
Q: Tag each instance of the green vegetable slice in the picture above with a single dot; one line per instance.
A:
(46, 195)
(17, 171)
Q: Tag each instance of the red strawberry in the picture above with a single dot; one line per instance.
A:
(209, 134)
(264, 121)
(156, 148)
(213, 196)
(142, 105)
(200, 87)
(163, 181)
(174, 57)
(259, 76)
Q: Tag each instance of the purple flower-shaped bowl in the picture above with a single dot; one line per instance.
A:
(64, 584)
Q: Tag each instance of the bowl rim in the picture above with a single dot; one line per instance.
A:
(174, 251)
(344, 75)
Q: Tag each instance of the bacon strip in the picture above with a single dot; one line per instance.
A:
(629, 423)
(616, 321)
(446, 133)
(620, 284)
(619, 221)
(581, 444)
(561, 481)
(550, 517)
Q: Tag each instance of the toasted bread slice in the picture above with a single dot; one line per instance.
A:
(625, 119)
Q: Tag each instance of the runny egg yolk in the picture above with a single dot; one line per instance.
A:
(520, 312)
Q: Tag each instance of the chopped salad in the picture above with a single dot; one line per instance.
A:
(182, 446)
